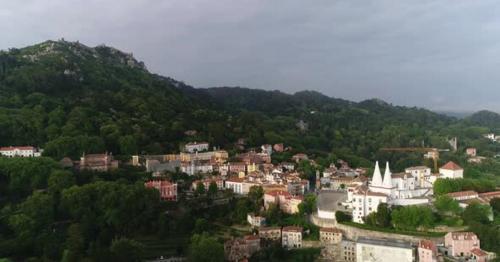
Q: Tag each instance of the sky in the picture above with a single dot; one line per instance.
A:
(442, 55)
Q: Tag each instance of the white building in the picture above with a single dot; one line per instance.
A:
(255, 221)
(291, 237)
(422, 175)
(196, 147)
(197, 167)
(20, 151)
(451, 170)
(397, 189)
(235, 184)
(369, 250)
(365, 202)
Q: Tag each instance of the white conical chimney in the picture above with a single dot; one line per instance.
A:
(377, 176)
(387, 176)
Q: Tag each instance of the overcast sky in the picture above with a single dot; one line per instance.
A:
(442, 55)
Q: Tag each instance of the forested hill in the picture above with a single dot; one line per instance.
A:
(70, 98)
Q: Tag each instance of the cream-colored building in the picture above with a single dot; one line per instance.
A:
(330, 236)
(291, 237)
(370, 250)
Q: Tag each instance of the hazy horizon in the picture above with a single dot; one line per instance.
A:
(437, 55)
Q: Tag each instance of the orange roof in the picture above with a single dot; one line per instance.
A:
(262, 229)
(251, 237)
(451, 166)
(235, 179)
(10, 148)
(292, 229)
(427, 244)
(466, 235)
(462, 193)
(478, 252)
(330, 229)
(277, 193)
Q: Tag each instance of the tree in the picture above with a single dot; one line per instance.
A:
(75, 243)
(446, 204)
(205, 248)
(342, 217)
(201, 225)
(60, 180)
(308, 205)
(412, 217)
(126, 250)
(200, 189)
(383, 216)
(495, 204)
(212, 188)
(255, 195)
(476, 213)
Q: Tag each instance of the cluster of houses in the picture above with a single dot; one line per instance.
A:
(239, 249)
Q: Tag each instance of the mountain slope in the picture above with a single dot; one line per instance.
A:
(70, 99)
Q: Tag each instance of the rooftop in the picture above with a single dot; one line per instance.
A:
(451, 166)
(385, 242)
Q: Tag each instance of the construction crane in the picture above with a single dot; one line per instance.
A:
(431, 152)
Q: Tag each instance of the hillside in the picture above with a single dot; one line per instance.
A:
(70, 98)
(485, 118)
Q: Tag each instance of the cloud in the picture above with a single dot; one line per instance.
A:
(436, 54)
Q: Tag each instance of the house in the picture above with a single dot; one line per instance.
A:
(364, 202)
(20, 151)
(240, 249)
(348, 250)
(98, 162)
(168, 190)
(287, 166)
(471, 151)
(368, 250)
(330, 236)
(427, 251)
(267, 149)
(196, 147)
(235, 184)
(422, 175)
(463, 195)
(479, 255)
(207, 181)
(299, 157)
(286, 202)
(291, 237)
(197, 167)
(451, 170)
(255, 221)
(270, 233)
(461, 244)
(279, 147)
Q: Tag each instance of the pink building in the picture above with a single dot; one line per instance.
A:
(479, 255)
(286, 202)
(168, 190)
(427, 251)
(471, 151)
(461, 244)
(98, 162)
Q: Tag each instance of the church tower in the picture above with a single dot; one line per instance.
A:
(377, 176)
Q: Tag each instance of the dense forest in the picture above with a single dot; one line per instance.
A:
(69, 99)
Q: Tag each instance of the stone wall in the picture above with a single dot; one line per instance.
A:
(352, 233)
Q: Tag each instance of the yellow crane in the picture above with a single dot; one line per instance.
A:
(431, 152)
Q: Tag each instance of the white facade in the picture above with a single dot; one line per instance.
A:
(236, 186)
(422, 175)
(365, 203)
(21, 151)
(196, 147)
(369, 250)
(291, 237)
(451, 170)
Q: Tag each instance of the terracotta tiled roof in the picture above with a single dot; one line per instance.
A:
(10, 148)
(451, 166)
(330, 229)
(277, 193)
(251, 237)
(466, 235)
(292, 229)
(235, 179)
(462, 193)
(263, 229)
(427, 244)
(478, 252)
